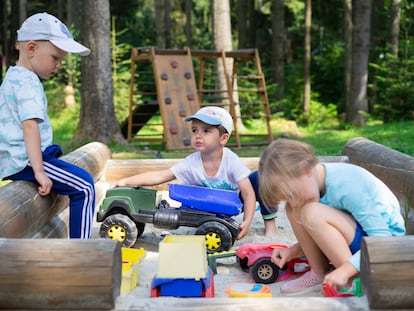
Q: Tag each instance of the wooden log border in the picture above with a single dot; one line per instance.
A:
(26, 214)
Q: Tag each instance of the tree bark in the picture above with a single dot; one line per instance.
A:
(358, 105)
(395, 26)
(278, 46)
(348, 25)
(307, 60)
(97, 115)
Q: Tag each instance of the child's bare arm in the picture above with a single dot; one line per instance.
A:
(249, 205)
(32, 142)
(150, 178)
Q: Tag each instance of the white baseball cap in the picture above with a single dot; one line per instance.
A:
(214, 116)
(43, 26)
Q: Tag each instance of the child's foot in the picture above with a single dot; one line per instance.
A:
(310, 281)
(270, 228)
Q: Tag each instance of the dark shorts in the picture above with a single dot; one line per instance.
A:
(268, 213)
(356, 242)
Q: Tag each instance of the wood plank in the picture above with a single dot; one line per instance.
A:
(386, 271)
(59, 274)
(244, 304)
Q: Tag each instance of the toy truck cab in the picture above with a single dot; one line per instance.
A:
(125, 211)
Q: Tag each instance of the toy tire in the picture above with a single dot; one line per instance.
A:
(264, 271)
(243, 263)
(121, 228)
(218, 236)
(140, 228)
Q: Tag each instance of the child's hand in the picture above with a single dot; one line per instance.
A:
(118, 183)
(280, 256)
(342, 276)
(45, 184)
(244, 230)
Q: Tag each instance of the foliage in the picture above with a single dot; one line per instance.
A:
(394, 88)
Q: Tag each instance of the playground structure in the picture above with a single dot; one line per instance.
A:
(164, 84)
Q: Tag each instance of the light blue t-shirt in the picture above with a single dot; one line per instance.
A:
(355, 190)
(190, 171)
(22, 97)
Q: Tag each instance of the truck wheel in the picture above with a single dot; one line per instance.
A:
(121, 228)
(218, 237)
(140, 228)
(264, 271)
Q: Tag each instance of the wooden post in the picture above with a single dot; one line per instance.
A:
(394, 168)
(59, 274)
(23, 212)
(387, 273)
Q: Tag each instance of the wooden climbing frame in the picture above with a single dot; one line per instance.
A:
(165, 84)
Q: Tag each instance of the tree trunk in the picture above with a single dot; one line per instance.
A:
(395, 26)
(188, 16)
(160, 24)
(167, 18)
(97, 115)
(278, 46)
(358, 105)
(307, 61)
(348, 48)
(223, 42)
(242, 25)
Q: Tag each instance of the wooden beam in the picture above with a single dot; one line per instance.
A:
(23, 212)
(117, 169)
(59, 274)
(387, 273)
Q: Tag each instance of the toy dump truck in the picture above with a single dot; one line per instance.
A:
(125, 211)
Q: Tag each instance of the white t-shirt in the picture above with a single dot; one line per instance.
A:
(191, 171)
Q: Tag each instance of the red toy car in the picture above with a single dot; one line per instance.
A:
(255, 258)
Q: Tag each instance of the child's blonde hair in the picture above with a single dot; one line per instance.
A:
(281, 161)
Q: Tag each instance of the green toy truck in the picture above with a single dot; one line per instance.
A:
(125, 211)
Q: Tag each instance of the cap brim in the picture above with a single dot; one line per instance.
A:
(71, 46)
(204, 118)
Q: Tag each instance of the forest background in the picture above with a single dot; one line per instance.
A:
(337, 69)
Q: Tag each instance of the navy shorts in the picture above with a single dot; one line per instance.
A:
(268, 213)
(356, 242)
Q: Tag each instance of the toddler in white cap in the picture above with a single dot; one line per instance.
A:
(27, 151)
(43, 26)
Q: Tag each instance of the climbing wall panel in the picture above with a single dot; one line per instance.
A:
(177, 97)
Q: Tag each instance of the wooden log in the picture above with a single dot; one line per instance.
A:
(117, 169)
(23, 212)
(58, 274)
(394, 168)
(387, 273)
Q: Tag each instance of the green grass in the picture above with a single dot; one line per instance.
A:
(398, 136)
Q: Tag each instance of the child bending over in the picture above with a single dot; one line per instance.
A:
(331, 207)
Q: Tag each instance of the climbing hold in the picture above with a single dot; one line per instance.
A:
(168, 100)
(187, 75)
(174, 64)
(190, 96)
(173, 130)
(164, 76)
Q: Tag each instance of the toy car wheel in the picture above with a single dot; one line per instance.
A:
(264, 271)
(121, 228)
(243, 263)
(218, 237)
(140, 228)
